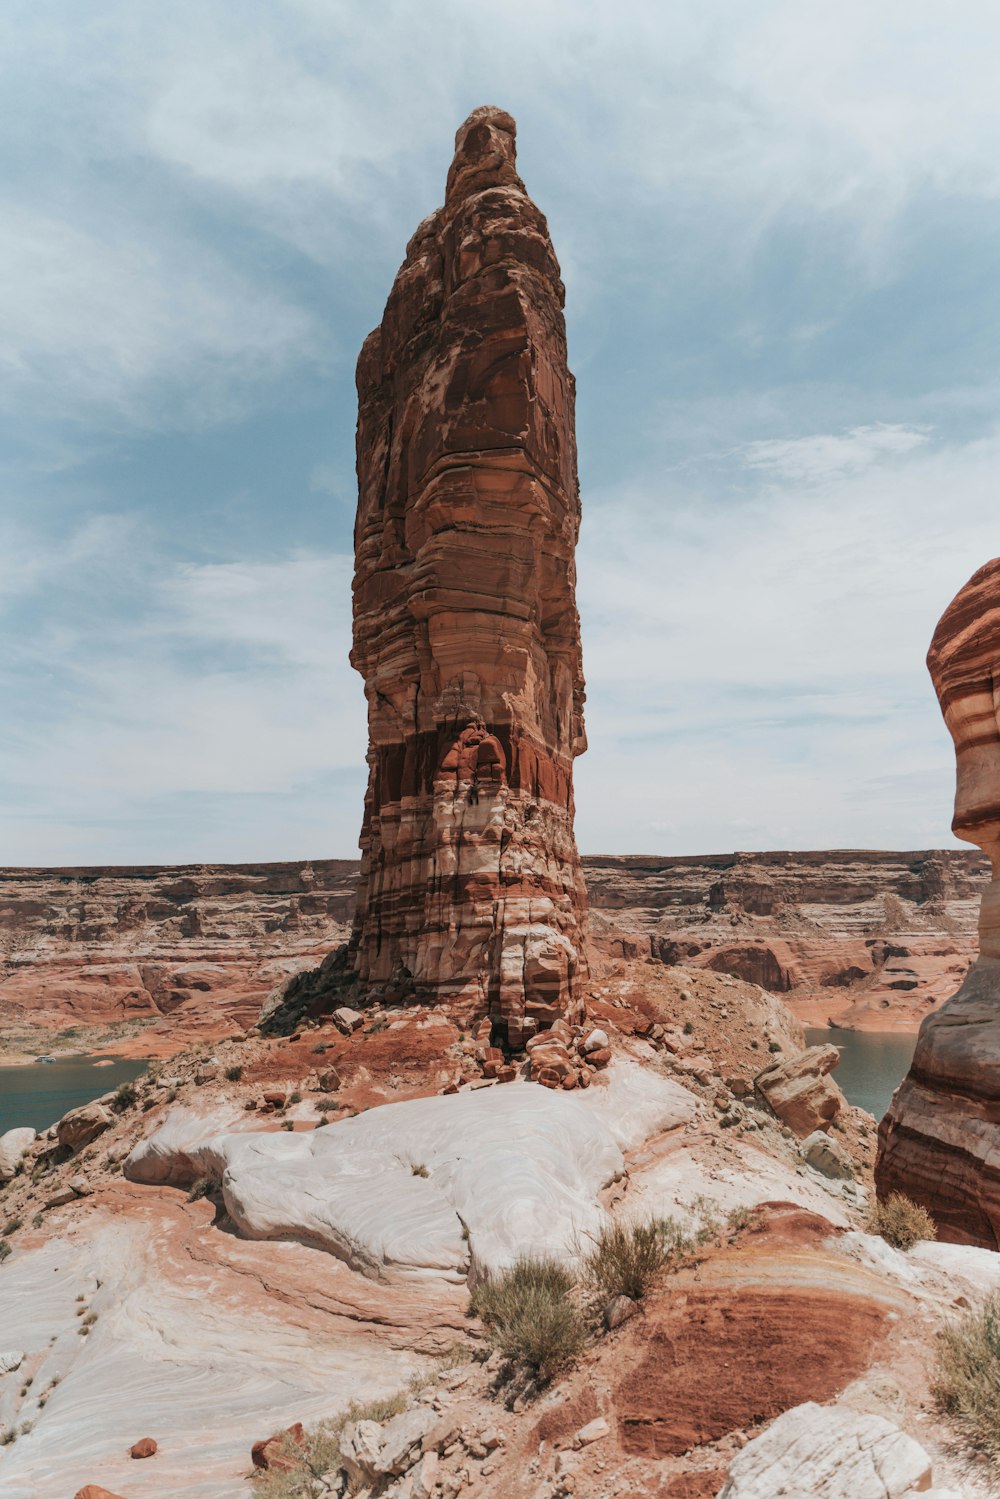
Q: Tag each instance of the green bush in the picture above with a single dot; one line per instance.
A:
(627, 1257)
(124, 1097)
(233, 1074)
(967, 1382)
(901, 1222)
(529, 1314)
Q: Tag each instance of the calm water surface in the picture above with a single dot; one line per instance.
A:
(872, 1064)
(39, 1094)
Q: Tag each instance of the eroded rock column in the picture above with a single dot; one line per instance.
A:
(465, 622)
(940, 1141)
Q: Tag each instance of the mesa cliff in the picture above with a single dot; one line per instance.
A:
(465, 623)
(859, 939)
(938, 1142)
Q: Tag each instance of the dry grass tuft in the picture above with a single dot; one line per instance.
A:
(901, 1222)
(529, 1314)
(967, 1383)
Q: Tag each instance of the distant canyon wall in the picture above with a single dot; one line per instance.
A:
(868, 940)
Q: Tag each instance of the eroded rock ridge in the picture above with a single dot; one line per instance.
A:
(939, 1141)
(465, 622)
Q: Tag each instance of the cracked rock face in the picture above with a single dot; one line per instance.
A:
(465, 622)
(939, 1141)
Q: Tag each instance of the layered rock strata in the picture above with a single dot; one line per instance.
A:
(940, 1141)
(465, 622)
(857, 938)
(194, 949)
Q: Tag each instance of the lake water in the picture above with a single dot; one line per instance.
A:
(40, 1093)
(872, 1064)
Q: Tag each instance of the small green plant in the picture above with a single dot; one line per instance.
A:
(11, 1226)
(967, 1377)
(739, 1217)
(627, 1257)
(125, 1096)
(420, 1170)
(295, 1097)
(6, 1250)
(901, 1222)
(529, 1314)
(689, 1027)
(199, 1188)
(233, 1074)
(288, 1124)
(774, 1046)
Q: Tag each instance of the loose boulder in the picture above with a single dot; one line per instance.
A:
(829, 1452)
(826, 1156)
(13, 1146)
(80, 1126)
(271, 1453)
(145, 1447)
(801, 1091)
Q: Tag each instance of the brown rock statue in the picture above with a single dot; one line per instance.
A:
(465, 622)
(940, 1141)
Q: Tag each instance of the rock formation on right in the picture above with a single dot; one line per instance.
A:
(940, 1141)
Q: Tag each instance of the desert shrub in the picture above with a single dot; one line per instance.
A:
(199, 1188)
(11, 1226)
(901, 1222)
(627, 1257)
(419, 1170)
(295, 1097)
(689, 1027)
(233, 1074)
(5, 1250)
(125, 1096)
(967, 1377)
(529, 1314)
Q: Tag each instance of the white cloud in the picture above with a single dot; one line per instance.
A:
(232, 682)
(98, 323)
(768, 654)
(826, 456)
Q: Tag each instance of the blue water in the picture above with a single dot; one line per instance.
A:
(872, 1064)
(39, 1094)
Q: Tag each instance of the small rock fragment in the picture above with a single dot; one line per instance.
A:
(594, 1431)
(146, 1447)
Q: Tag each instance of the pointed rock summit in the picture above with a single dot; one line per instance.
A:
(465, 623)
(940, 1141)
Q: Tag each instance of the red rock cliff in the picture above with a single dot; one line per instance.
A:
(940, 1141)
(465, 623)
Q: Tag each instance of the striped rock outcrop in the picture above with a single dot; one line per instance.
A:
(465, 622)
(940, 1141)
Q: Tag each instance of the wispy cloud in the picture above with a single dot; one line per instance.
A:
(777, 226)
(826, 456)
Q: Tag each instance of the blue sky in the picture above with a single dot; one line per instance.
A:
(779, 227)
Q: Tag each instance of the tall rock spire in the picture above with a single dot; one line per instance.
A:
(940, 1141)
(465, 623)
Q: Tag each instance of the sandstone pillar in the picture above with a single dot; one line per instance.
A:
(465, 623)
(940, 1141)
